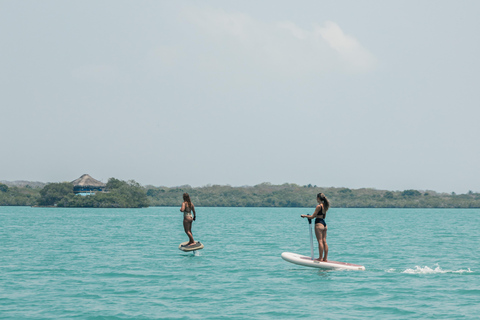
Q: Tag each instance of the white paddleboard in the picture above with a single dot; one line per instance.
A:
(193, 247)
(328, 265)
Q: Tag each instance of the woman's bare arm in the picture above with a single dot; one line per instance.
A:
(315, 213)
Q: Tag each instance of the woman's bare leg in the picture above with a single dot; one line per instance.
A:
(325, 245)
(187, 226)
(319, 233)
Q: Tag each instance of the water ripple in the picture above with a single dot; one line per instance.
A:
(125, 264)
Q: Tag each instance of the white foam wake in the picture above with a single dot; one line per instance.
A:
(437, 269)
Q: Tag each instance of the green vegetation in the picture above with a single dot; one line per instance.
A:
(18, 196)
(292, 195)
(122, 194)
(53, 193)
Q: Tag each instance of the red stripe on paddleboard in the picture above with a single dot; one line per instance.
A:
(331, 261)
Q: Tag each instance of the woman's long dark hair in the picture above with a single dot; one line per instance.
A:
(186, 198)
(326, 203)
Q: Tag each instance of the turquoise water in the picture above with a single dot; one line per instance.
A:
(125, 264)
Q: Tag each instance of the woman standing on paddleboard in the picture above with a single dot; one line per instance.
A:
(187, 209)
(320, 225)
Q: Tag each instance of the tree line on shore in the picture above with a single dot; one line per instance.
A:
(292, 195)
(120, 194)
(130, 194)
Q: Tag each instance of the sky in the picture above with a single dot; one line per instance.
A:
(357, 94)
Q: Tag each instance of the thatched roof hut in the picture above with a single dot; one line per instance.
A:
(86, 184)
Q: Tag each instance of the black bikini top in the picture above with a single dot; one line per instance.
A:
(322, 214)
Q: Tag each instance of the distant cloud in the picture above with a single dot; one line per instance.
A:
(347, 46)
(281, 47)
(293, 29)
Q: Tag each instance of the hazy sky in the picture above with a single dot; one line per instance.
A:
(374, 94)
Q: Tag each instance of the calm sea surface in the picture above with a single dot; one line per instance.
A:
(125, 264)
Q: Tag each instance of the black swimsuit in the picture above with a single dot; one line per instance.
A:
(321, 220)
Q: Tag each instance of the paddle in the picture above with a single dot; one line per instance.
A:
(311, 237)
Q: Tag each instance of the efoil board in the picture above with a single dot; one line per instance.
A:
(197, 246)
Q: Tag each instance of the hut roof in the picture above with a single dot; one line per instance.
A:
(87, 181)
